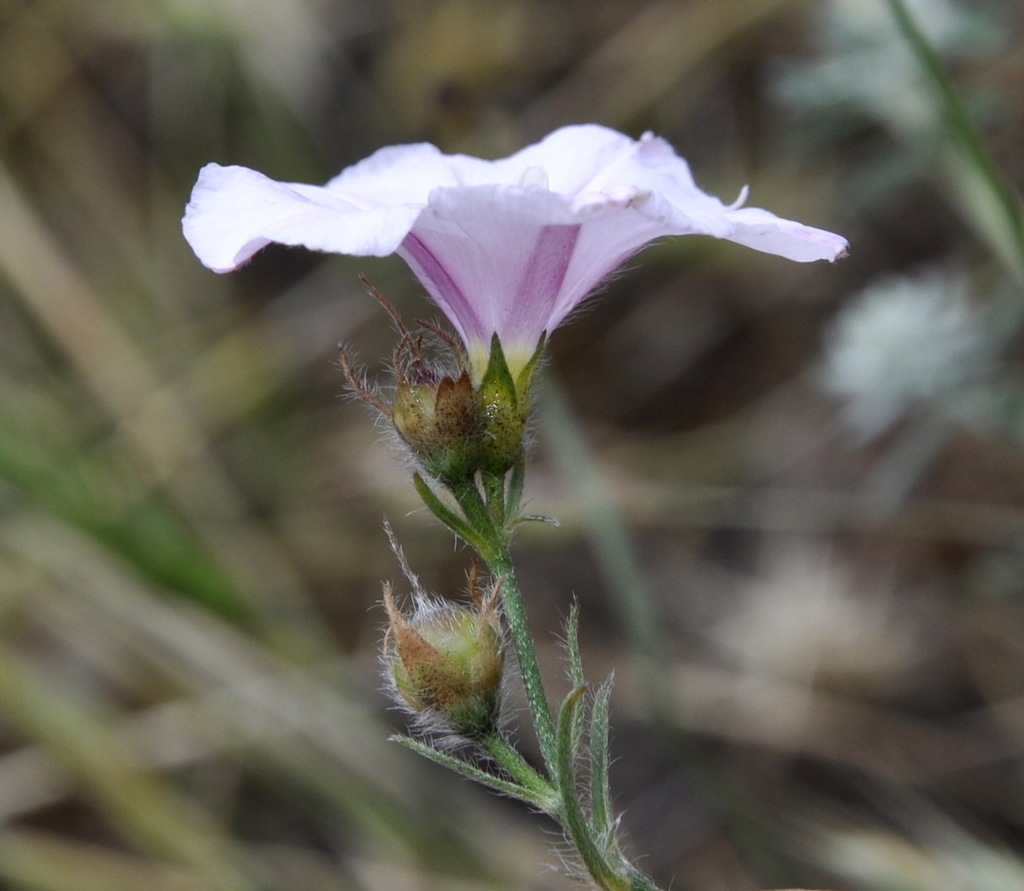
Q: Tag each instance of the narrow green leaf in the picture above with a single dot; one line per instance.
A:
(533, 518)
(470, 771)
(565, 758)
(575, 820)
(572, 645)
(639, 882)
(600, 793)
(446, 515)
(514, 497)
(474, 508)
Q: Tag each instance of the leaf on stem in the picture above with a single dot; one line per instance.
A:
(447, 516)
(576, 822)
(471, 771)
(533, 518)
(600, 792)
(572, 646)
(514, 496)
(576, 677)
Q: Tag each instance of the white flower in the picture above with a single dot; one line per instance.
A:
(505, 247)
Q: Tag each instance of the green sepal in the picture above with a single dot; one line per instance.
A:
(525, 379)
(497, 379)
(502, 414)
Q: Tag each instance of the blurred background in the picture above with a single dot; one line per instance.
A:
(791, 496)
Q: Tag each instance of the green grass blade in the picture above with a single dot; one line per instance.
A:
(965, 133)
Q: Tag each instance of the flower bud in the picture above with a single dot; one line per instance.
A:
(439, 422)
(446, 662)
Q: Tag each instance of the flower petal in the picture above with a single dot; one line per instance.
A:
(506, 247)
(402, 174)
(594, 164)
(234, 212)
(573, 158)
(472, 249)
(766, 232)
(515, 260)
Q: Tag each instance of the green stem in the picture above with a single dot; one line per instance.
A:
(494, 490)
(557, 794)
(490, 537)
(473, 508)
(544, 795)
(471, 771)
(519, 629)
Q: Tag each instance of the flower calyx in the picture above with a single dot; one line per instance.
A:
(436, 416)
(504, 409)
(455, 420)
(445, 662)
(434, 409)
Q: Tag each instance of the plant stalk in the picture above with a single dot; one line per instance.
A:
(522, 639)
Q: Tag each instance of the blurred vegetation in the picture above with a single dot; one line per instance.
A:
(810, 582)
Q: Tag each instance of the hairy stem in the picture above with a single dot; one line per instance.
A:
(543, 792)
(519, 629)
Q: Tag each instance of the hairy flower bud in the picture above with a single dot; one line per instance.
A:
(439, 422)
(446, 662)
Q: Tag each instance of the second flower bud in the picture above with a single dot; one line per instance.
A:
(446, 662)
